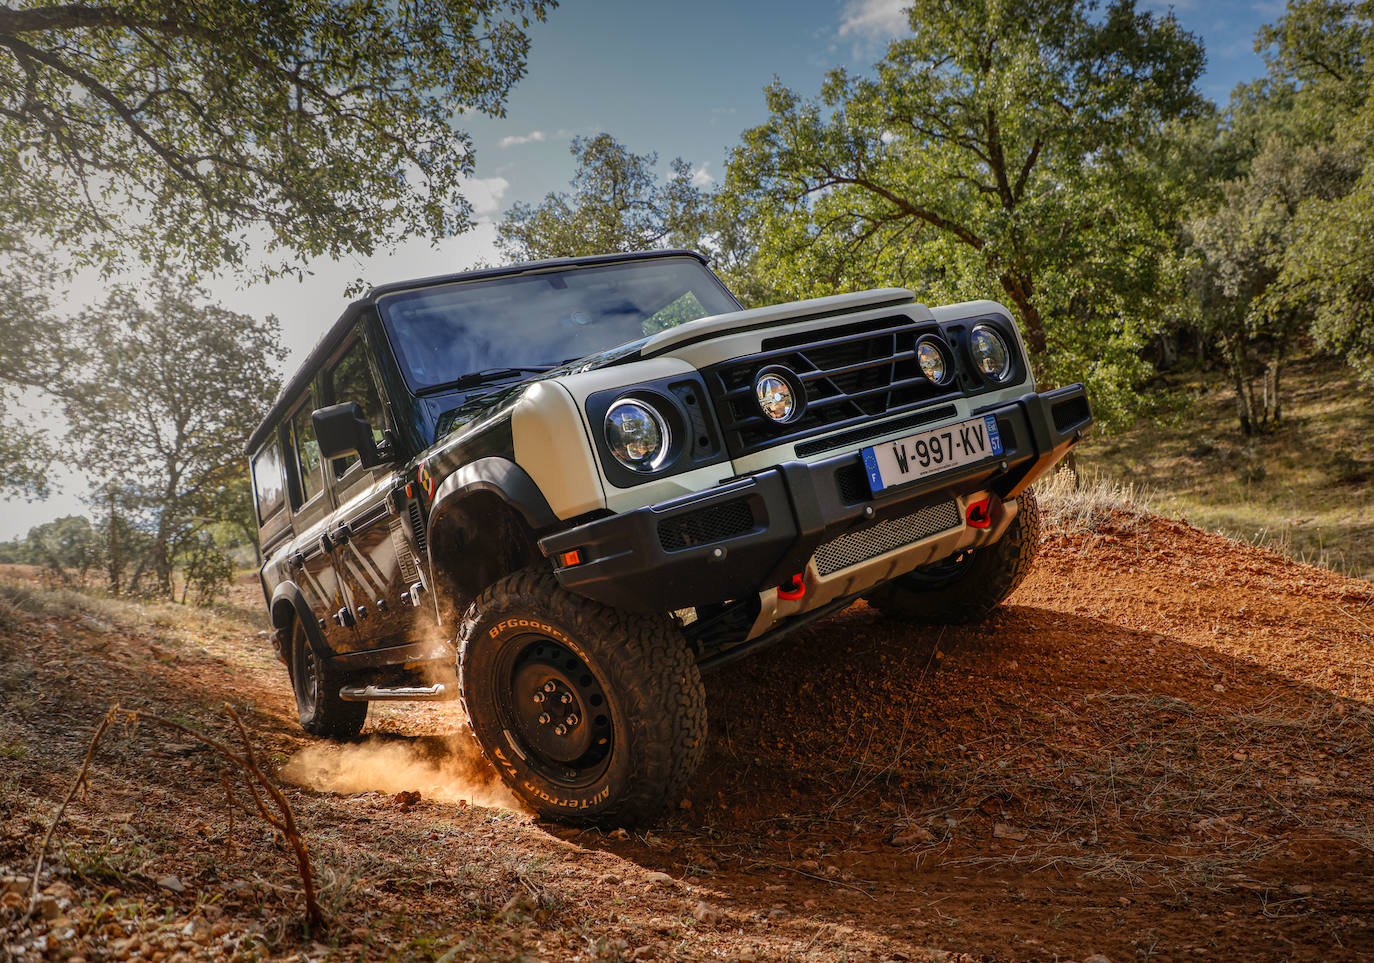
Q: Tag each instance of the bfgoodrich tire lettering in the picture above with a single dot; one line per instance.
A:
(532, 655)
(966, 589)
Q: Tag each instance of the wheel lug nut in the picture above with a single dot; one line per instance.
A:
(544, 718)
(571, 720)
(539, 697)
(560, 730)
(549, 686)
(565, 698)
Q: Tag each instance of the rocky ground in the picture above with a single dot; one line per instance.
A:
(1161, 748)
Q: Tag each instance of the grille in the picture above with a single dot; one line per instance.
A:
(853, 484)
(417, 525)
(708, 525)
(855, 547)
(851, 375)
(409, 574)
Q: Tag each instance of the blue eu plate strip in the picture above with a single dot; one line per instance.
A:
(875, 479)
(994, 439)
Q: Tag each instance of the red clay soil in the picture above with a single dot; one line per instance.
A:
(1161, 748)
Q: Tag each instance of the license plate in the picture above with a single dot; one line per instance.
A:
(930, 452)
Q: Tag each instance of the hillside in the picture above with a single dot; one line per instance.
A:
(1162, 748)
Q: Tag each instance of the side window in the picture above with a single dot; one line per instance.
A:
(307, 453)
(269, 488)
(351, 380)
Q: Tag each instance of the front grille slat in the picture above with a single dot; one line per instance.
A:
(852, 548)
(867, 371)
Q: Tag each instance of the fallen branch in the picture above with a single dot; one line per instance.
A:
(256, 781)
(62, 809)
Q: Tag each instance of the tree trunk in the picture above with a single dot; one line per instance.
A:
(1019, 288)
(1240, 377)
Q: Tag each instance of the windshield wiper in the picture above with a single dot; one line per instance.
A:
(473, 378)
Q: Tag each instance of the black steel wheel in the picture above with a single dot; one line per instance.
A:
(589, 714)
(321, 711)
(965, 587)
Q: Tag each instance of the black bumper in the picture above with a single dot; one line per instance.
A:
(756, 531)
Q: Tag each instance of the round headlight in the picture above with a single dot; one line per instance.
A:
(989, 351)
(932, 361)
(776, 396)
(637, 435)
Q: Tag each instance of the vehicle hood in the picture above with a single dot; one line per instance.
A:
(734, 322)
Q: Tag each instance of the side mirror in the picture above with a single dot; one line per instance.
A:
(342, 430)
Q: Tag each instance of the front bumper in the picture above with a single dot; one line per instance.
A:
(755, 532)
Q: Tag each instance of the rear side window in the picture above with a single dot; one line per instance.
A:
(269, 484)
(307, 454)
(351, 380)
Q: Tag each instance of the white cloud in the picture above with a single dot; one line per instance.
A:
(515, 140)
(701, 177)
(873, 19)
(485, 194)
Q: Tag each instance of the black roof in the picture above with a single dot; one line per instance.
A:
(334, 337)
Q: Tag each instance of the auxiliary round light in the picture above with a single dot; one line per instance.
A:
(932, 361)
(776, 396)
(637, 435)
(990, 352)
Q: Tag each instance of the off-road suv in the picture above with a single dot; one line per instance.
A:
(563, 490)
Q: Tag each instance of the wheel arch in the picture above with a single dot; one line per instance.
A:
(483, 526)
(288, 604)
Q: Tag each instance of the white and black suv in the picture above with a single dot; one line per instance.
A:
(563, 490)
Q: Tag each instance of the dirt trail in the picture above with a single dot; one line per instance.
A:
(1163, 748)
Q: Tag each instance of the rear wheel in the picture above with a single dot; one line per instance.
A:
(965, 587)
(590, 714)
(321, 711)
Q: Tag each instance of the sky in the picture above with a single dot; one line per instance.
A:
(679, 79)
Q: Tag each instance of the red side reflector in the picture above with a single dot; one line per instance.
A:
(569, 559)
(410, 490)
(980, 514)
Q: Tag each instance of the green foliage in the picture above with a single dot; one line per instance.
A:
(1005, 145)
(617, 204)
(203, 131)
(63, 546)
(1325, 49)
(167, 389)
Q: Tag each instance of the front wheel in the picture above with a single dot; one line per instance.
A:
(965, 587)
(321, 711)
(591, 715)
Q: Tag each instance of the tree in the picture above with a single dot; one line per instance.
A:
(192, 131)
(1010, 144)
(1324, 51)
(168, 388)
(32, 355)
(1243, 243)
(617, 204)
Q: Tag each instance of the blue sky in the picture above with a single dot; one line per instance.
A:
(685, 79)
(682, 79)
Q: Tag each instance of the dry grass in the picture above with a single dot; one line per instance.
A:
(1305, 489)
(1080, 504)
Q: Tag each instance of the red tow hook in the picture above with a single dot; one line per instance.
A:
(793, 590)
(979, 513)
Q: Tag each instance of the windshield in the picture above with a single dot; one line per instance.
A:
(445, 332)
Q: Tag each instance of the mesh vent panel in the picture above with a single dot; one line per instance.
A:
(853, 484)
(855, 547)
(706, 526)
